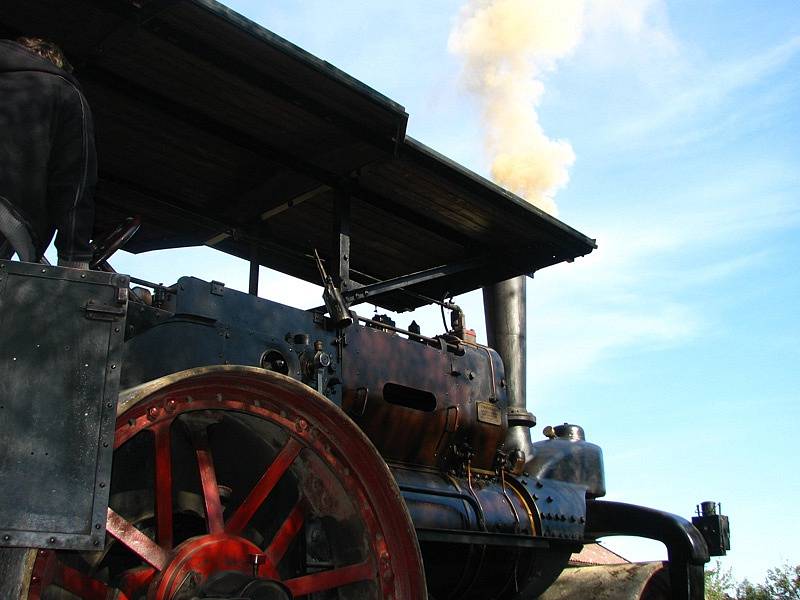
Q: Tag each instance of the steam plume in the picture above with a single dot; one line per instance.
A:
(506, 46)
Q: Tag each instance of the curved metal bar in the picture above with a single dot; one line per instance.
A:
(686, 547)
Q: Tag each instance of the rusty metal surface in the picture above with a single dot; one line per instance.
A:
(62, 333)
(632, 581)
(423, 433)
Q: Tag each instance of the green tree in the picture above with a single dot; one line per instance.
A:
(782, 583)
(747, 591)
(718, 582)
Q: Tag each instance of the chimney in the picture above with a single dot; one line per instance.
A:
(504, 310)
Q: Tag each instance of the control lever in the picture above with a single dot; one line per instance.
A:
(334, 302)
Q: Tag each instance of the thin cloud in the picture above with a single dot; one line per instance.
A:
(712, 87)
(644, 276)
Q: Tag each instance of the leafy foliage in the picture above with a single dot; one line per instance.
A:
(781, 583)
(718, 582)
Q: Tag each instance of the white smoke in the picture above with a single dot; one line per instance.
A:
(506, 47)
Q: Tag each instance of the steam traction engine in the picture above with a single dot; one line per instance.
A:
(184, 441)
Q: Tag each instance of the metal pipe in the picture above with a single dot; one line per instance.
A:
(504, 310)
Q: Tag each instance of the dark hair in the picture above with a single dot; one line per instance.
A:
(47, 50)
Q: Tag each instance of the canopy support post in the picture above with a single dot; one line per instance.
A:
(340, 271)
(254, 265)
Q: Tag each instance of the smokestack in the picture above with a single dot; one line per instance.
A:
(504, 309)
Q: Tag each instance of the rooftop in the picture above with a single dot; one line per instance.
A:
(220, 133)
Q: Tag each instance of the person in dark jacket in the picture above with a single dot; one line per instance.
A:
(48, 165)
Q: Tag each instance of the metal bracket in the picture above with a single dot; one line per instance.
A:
(104, 312)
(374, 290)
(217, 288)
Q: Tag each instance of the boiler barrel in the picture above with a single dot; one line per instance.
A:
(479, 538)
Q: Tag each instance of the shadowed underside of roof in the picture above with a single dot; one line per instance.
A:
(218, 132)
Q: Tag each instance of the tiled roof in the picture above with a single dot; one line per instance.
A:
(595, 554)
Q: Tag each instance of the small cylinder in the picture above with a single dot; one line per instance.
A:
(708, 508)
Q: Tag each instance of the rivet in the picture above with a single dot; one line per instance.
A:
(97, 525)
(6, 537)
(52, 540)
(113, 366)
(102, 485)
(95, 542)
(549, 498)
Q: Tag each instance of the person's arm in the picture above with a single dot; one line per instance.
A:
(72, 177)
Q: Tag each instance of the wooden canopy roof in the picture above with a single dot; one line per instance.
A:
(219, 132)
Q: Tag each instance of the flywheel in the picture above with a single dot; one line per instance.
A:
(235, 482)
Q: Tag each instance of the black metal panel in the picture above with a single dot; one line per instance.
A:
(62, 333)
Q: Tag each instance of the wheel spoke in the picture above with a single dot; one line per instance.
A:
(284, 536)
(82, 585)
(328, 580)
(265, 485)
(163, 497)
(208, 480)
(134, 581)
(136, 541)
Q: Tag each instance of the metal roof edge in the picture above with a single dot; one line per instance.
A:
(290, 49)
(474, 178)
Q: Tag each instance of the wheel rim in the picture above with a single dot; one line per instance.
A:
(233, 469)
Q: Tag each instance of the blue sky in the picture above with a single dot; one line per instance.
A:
(675, 344)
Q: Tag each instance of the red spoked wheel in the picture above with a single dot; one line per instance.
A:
(234, 482)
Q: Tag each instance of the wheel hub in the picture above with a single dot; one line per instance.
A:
(238, 586)
(217, 566)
